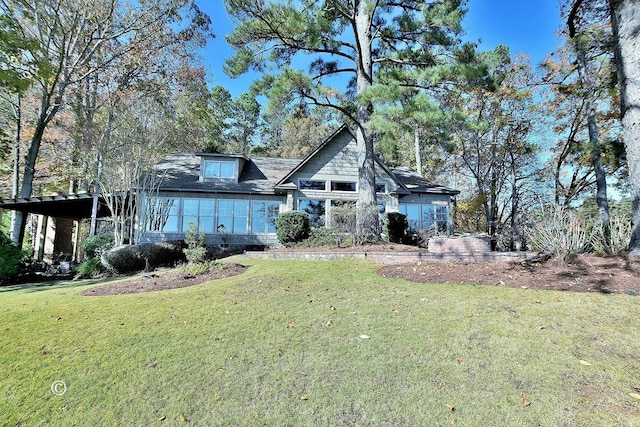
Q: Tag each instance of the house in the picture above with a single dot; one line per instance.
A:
(235, 199)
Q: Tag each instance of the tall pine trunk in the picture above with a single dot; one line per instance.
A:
(625, 18)
(367, 221)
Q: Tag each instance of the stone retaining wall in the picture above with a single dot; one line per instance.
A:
(459, 245)
(396, 257)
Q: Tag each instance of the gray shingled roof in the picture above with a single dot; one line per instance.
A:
(260, 175)
(181, 172)
(418, 184)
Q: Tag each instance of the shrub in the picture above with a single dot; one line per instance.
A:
(292, 227)
(131, 258)
(343, 218)
(559, 231)
(196, 251)
(611, 238)
(10, 259)
(93, 246)
(394, 226)
(89, 269)
(323, 236)
(203, 267)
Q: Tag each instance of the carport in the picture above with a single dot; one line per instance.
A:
(58, 220)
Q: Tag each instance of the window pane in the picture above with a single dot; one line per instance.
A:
(187, 221)
(190, 207)
(162, 215)
(206, 207)
(413, 216)
(225, 208)
(428, 218)
(304, 184)
(273, 209)
(240, 224)
(315, 209)
(381, 188)
(227, 170)
(258, 225)
(225, 225)
(211, 169)
(241, 208)
(170, 225)
(343, 186)
(206, 224)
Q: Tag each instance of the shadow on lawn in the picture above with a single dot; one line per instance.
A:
(47, 285)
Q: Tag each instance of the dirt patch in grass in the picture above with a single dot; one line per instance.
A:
(164, 280)
(583, 273)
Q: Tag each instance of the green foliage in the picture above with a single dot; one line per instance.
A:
(613, 237)
(292, 227)
(94, 246)
(10, 259)
(394, 226)
(560, 232)
(323, 236)
(202, 267)
(90, 268)
(130, 258)
(196, 251)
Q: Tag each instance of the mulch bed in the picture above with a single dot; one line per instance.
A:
(164, 280)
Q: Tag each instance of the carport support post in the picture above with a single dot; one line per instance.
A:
(76, 242)
(42, 236)
(94, 215)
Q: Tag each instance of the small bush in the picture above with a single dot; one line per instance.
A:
(196, 251)
(89, 269)
(612, 238)
(93, 246)
(292, 227)
(203, 267)
(322, 236)
(343, 218)
(560, 231)
(131, 258)
(394, 226)
(10, 259)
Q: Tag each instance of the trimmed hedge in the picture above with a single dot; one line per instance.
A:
(394, 226)
(132, 258)
(292, 227)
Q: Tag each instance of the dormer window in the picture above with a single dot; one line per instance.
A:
(219, 169)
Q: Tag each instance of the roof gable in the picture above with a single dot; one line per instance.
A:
(336, 157)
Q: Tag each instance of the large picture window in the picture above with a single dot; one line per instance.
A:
(425, 216)
(174, 215)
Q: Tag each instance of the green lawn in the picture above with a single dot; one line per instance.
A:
(286, 344)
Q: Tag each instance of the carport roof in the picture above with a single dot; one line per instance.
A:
(73, 206)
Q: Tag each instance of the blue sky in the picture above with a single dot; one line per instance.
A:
(525, 26)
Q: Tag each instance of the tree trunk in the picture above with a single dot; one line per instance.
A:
(625, 18)
(16, 171)
(367, 222)
(416, 149)
(594, 139)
